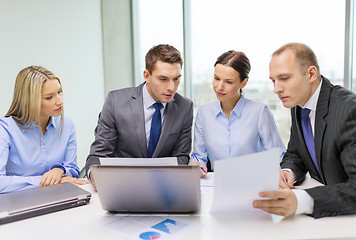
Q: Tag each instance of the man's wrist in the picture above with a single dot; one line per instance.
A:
(305, 203)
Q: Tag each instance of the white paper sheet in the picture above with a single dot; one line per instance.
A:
(208, 180)
(238, 181)
(167, 161)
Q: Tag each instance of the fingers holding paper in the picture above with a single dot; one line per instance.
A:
(282, 202)
(286, 180)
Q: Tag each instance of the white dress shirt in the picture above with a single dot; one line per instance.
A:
(149, 110)
(305, 203)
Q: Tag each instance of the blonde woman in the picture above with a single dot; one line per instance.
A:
(37, 144)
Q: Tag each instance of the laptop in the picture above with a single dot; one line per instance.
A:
(41, 200)
(148, 189)
(163, 161)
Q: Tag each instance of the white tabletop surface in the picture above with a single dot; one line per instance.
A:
(81, 223)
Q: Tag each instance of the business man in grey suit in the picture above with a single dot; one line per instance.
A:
(150, 120)
(322, 140)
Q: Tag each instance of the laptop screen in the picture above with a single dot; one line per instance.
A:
(148, 188)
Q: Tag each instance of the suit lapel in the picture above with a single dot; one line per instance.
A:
(137, 113)
(320, 122)
(169, 116)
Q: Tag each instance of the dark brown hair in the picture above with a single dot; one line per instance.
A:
(304, 55)
(163, 52)
(236, 60)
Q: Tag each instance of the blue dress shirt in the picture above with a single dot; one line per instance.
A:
(25, 155)
(250, 129)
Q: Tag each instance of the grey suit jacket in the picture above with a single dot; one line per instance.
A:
(335, 149)
(121, 128)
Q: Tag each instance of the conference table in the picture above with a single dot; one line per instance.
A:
(83, 223)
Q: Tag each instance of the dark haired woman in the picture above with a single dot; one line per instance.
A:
(234, 125)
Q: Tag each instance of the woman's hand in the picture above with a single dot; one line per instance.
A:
(75, 181)
(51, 177)
(202, 171)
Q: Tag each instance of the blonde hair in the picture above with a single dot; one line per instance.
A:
(25, 108)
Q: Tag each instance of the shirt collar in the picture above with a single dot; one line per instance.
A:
(237, 109)
(312, 102)
(148, 101)
(52, 123)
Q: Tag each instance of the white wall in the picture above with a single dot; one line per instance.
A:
(65, 37)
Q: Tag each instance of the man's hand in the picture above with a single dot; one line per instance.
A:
(202, 172)
(51, 177)
(283, 202)
(289, 180)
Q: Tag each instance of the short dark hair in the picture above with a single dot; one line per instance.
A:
(163, 52)
(304, 55)
(236, 60)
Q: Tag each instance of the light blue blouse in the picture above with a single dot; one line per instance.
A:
(24, 158)
(250, 129)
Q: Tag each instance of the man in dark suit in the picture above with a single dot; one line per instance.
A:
(322, 140)
(132, 125)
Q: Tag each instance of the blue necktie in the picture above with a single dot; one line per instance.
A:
(308, 134)
(156, 126)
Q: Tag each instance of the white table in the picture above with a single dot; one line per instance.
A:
(80, 223)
